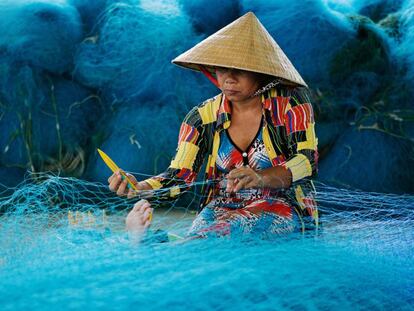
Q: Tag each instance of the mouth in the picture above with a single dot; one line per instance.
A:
(231, 92)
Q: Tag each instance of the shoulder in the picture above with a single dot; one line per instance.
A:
(206, 112)
(300, 106)
(300, 95)
(293, 95)
(283, 98)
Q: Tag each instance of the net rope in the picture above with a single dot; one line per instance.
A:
(64, 235)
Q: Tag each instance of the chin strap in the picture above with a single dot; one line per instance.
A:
(209, 76)
(266, 87)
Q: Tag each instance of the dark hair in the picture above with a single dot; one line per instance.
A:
(265, 79)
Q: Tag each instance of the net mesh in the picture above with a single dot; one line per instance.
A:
(68, 66)
(63, 244)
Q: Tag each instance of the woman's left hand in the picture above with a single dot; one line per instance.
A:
(244, 178)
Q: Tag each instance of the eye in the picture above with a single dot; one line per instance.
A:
(221, 70)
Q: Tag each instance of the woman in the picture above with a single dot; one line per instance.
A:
(257, 137)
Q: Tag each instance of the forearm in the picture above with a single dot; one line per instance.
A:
(275, 177)
(170, 184)
(143, 185)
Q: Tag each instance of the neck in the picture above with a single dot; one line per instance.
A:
(249, 104)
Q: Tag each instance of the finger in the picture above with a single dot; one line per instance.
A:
(117, 175)
(146, 214)
(116, 180)
(238, 175)
(230, 185)
(241, 184)
(138, 205)
(233, 173)
(247, 180)
(143, 208)
(132, 178)
(240, 170)
(251, 184)
(110, 178)
(235, 183)
(151, 214)
(129, 177)
(122, 188)
(233, 186)
(130, 194)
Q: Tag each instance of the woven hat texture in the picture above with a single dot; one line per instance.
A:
(244, 44)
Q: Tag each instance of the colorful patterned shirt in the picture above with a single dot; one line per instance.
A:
(288, 134)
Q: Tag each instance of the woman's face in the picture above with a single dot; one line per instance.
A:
(237, 85)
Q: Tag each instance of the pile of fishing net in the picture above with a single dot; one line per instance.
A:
(75, 74)
(63, 245)
(78, 75)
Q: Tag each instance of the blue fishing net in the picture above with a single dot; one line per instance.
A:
(208, 21)
(375, 9)
(299, 26)
(42, 33)
(64, 245)
(76, 75)
(89, 12)
(406, 47)
(140, 138)
(47, 122)
(108, 81)
(128, 56)
(356, 153)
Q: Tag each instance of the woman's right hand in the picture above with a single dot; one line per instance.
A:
(119, 185)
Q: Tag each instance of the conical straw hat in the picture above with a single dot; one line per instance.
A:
(244, 44)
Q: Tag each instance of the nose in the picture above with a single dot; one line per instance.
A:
(230, 76)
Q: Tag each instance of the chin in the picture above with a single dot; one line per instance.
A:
(236, 97)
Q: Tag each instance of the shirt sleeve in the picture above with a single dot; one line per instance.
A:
(301, 138)
(187, 161)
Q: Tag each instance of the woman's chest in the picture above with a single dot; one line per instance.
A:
(230, 156)
(244, 130)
